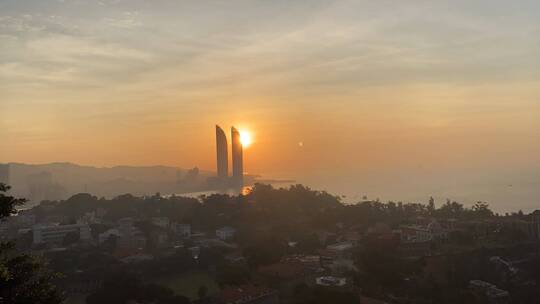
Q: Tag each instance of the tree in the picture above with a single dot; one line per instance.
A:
(321, 295)
(431, 205)
(202, 292)
(123, 287)
(451, 210)
(8, 204)
(266, 250)
(481, 209)
(381, 266)
(23, 278)
(233, 274)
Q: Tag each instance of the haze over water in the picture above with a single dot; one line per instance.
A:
(397, 101)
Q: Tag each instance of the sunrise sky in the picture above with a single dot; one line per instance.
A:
(343, 94)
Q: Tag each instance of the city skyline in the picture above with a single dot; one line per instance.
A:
(402, 100)
(237, 158)
(222, 155)
(276, 152)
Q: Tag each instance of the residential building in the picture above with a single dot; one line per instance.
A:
(487, 290)
(248, 294)
(339, 250)
(312, 262)
(24, 219)
(162, 222)
(415, 234)
(56, 234)
(331, 281)
(102, 237)
(283, 271)
(88, 218)
(438, 233)
(160, 238)
(182, 230)
(125, 226)
(225, 233)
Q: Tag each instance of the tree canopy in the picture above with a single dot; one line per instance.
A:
(23, 278)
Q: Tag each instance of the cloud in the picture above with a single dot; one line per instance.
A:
(127, 20)
(333, 46)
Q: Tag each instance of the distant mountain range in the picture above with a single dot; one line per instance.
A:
(57, 181)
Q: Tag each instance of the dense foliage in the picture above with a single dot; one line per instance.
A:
(23, 278)
(123, 287)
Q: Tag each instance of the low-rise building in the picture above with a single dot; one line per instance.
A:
(162, 222)
(125, 225)
(182, 230)
(341, 249)
(283, 271)
(134, 242)
(89, 218)
(415, 234)
(102, 237)
(312, 262)
(225, 233)
(160, 238)
(56, 234)
(493, 294)
(137, 258)
(25, 220)
(438, 233)
(331, 281)
(248, 294)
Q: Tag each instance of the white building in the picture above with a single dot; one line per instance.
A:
(56, 234)
(437, 231)
(331, 281)
(340, 247)
(88, 218)
(225, 233)
(415, 234)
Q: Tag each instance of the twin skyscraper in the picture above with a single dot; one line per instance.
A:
(237, 179)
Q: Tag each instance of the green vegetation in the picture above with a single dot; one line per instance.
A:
(189, 284)
(121, 287)
(23, 278)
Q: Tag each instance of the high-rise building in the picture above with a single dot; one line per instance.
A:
(4, 174)
(237, 158)
(222, 155)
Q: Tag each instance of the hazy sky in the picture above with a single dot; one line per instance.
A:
(378, 92)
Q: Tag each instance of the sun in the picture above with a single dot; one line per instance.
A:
(245, 139)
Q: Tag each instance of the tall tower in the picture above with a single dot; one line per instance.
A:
(222, 155)
(237, 158)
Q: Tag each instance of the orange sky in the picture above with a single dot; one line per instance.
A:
(367, 87)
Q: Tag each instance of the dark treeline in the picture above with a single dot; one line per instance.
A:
(264, 206)
(23, 277)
